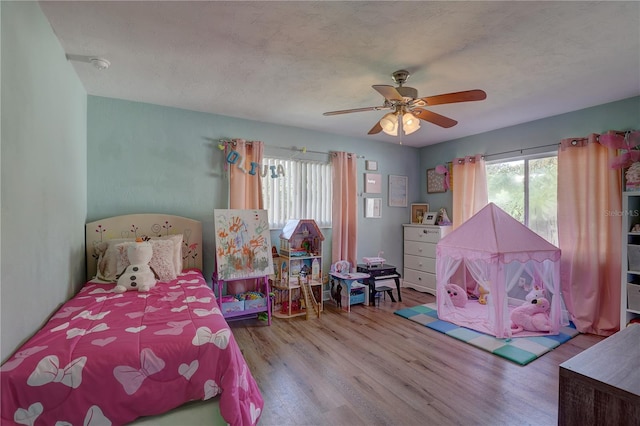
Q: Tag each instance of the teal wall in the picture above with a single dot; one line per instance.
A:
(44, 174)
(620, 115)
(150, 158)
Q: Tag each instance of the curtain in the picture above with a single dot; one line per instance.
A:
(470, 192)
(245, 189)
(345, 208)
(245, 192)
(590, 239)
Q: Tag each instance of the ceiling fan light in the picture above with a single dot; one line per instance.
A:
(408, 131)
(389, 122)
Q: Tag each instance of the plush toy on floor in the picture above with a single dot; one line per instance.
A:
(457, 294)
(483, 293)
(536, 292)
(138, 275)
(533, 316)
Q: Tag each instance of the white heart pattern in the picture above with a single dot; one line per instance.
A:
(255, 413)
(171, 296)
(103, 342)
(28, 416)
(211, 389)
(135, 329)
(100, 290)
(189, 370)
(67, 311)
(180, 309)
(193, 299)
(103, 298)
(88, 315)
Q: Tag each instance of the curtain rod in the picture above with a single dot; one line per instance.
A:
(521, 150)
(304, 150)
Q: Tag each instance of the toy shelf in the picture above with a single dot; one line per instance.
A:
(262, 285)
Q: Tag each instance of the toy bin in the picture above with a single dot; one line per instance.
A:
(633, 253)
(255, 303)
(230, 304)
(633, 296)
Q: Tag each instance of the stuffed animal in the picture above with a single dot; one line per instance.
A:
(536, 292)
(457, 294)
(138, 275)
(534, 316)
(483, 293)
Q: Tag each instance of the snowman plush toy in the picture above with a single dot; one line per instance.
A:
(138, 275)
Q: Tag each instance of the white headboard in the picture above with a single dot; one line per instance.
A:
(150, 225)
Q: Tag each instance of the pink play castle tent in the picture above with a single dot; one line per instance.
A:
(500, 265)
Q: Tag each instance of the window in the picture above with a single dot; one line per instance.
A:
(526, 188)
(301, 190)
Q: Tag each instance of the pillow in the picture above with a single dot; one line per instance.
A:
(107, 264)
(162, 261)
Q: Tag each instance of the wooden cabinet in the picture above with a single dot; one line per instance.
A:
(420, 256)
(630, 291)
(300, 270)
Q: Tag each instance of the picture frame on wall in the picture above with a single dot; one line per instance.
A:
(418, 211)
(373, 208)
(430, 218)
(435, 182)
(370, 165)
(372, 183)
(398, 191)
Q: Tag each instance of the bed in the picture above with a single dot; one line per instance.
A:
(109, 358)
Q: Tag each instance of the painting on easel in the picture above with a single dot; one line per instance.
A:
(243, 244)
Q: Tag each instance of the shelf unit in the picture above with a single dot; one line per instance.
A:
(630, 291)
(262, 285)
(300, 249)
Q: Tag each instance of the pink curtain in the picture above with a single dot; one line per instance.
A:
(345, 208)
(245, 189)
(469, 188)
(245, 192)
(590, 239)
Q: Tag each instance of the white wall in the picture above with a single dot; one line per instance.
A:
(44, 174)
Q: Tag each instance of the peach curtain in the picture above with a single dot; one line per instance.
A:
(345, 208)
(245, 192)
(245, 189)
(469, 189)
(589, 236)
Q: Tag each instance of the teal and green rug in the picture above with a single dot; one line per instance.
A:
(521, 350)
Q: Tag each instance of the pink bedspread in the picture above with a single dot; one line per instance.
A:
(106, 358)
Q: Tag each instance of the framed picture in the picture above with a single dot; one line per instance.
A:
(430, 218)
(418, 212)
(372, 183)
(398, 191)
(371, 165)
(435, 182)
(373, 208)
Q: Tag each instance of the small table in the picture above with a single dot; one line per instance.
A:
(348, 280)
(380, 273)
(601, 385)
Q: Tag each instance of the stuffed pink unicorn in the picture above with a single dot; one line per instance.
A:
(533, 316)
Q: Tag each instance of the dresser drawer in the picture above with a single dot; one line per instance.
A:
(418, 248)
(421, 279)
(425, 234)
(423, 264)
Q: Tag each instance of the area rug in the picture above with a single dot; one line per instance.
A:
(521, 350)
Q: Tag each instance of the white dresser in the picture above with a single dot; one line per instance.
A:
(420, 256)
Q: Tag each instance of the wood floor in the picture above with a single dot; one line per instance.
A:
(371, 367)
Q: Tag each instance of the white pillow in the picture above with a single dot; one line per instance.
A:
(107, 264)
(162, 261)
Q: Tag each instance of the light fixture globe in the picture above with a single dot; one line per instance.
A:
(410, 123)
(389, 124)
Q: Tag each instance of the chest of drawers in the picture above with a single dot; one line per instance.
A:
(420, 256)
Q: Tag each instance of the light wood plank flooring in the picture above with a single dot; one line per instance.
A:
(371, 367)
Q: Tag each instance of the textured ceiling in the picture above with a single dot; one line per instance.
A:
(288, 62)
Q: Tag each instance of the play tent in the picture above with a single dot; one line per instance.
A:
(494, 251)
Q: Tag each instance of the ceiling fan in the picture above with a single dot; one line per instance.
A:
(407, 108)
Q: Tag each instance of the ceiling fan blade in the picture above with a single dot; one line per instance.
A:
(389, 92)
(432, 117)
(375, 129)
(450, 98)
(347, 111)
